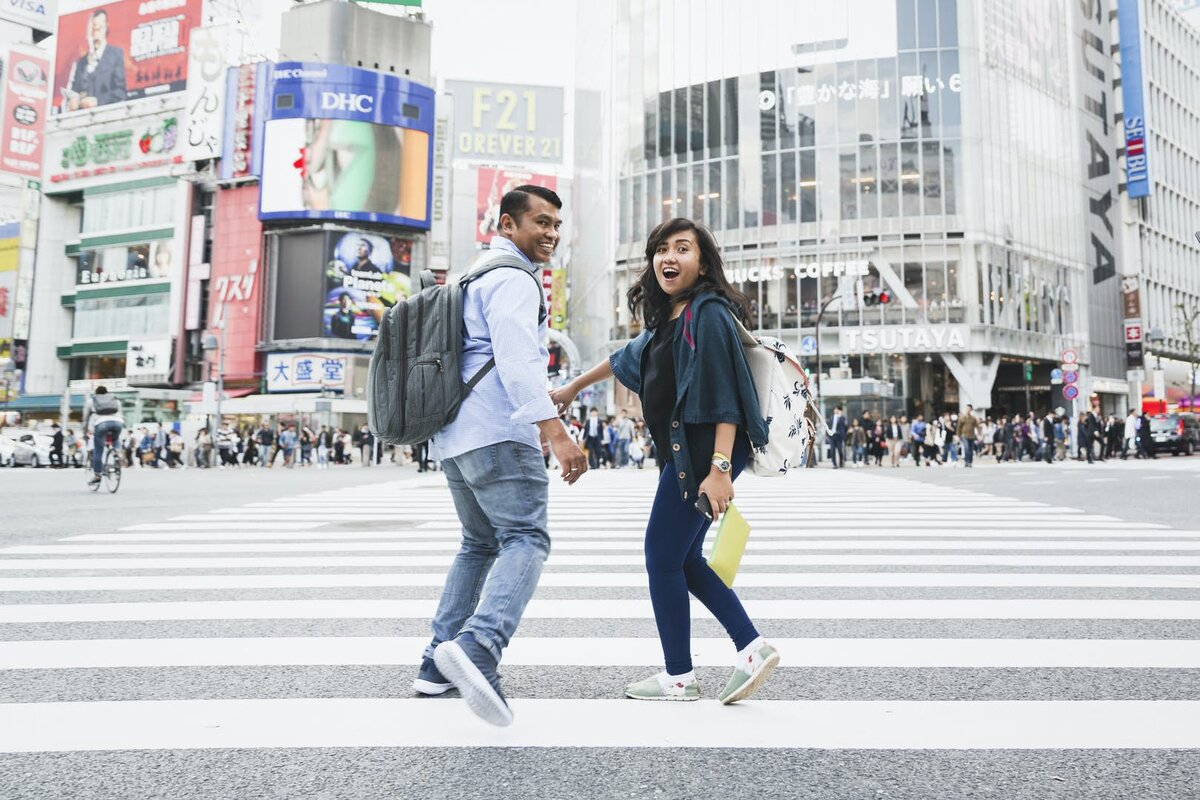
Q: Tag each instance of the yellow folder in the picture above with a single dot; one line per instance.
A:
(729, 545)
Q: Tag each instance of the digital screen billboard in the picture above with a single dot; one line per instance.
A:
(342, 143)
(113, 52)
(366, 275)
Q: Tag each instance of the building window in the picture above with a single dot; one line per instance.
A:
(121, 317)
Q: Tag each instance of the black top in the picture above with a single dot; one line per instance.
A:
(658, 388)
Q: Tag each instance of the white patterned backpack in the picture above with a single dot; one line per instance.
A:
(786, 403)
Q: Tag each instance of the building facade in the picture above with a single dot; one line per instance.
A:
(958, 156)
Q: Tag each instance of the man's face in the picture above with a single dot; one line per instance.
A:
(98, 29)
(362, 250)
(536, 234)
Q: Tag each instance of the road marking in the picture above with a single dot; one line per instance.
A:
(619, 545)
(750, 559)
(38, 613)
(605, 652)
(955, 725)
(581, 532)
(551, 578)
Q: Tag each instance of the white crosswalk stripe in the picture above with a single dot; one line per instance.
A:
(855, 571)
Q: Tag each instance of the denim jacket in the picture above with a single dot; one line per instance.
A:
(712, 384)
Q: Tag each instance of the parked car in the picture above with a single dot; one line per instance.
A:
(1175, 433)
(7, 446)
(31, 449)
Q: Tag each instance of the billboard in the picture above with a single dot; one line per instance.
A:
(9, 244)
(343, 143)
(511, 123)
(119, 146)
(41, 15)
(365, 276)
(1137, 168)
(306, 371)
(493, 184)
(113, 52)
(26, 88)
(209, 58)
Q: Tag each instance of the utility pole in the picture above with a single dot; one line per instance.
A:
(1187, 318)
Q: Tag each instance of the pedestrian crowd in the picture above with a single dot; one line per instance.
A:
(954, 439)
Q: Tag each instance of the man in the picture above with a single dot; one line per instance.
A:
(592, 432)
(225, 446)
(624, 437)
(102, 418)
(919, 429)
(97, 78)
(837, 444)
(968, 433)
(366, 444)
(492, 458)
(1048, 436)
(287, 443)
(56, 447)
(266, 445)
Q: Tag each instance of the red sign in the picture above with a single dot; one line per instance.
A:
(1070, 391)
(121, 51)
(1133, 330)
(493, 184)
(235, 284)
(26, 87)
(243, 120)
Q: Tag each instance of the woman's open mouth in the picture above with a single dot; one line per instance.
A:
(669, 274)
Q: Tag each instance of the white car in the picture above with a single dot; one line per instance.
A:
(7, 446)
(31, 449)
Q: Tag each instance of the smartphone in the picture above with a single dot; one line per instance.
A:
(704, 507)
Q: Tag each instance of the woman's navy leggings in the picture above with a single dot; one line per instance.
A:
(676, 566)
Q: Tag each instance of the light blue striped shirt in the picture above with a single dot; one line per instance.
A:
(500, 314)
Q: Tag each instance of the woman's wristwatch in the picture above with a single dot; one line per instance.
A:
(722, 463)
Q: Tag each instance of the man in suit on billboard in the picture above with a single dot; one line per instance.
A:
(97, 78)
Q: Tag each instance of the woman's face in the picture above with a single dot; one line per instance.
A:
(677, 263)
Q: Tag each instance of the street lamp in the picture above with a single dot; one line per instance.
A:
(209, 343)
(1156, 337)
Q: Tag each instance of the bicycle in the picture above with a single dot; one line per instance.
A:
(110, 470)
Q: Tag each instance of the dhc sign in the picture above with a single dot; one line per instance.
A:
(345, 101)
(1137, 167)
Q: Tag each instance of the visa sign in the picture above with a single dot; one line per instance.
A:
(346, 101)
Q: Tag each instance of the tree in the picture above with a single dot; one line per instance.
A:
(1187, 319)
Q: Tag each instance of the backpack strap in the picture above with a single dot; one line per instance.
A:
(500, 260)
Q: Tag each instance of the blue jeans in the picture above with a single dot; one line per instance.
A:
(99, 440)
(500, 493)
(622, 452)
(968, 450)
(676, 566)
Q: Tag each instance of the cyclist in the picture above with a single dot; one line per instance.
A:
(101, 418)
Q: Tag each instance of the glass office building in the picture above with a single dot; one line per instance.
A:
(933, 149)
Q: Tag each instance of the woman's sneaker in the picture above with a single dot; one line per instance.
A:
(662, 687)
(750, 674)
(430, 682)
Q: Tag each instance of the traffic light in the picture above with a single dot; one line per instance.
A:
(877, 297)
(1028, 371)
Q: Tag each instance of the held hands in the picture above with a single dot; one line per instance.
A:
(563, 396)
(718, 487)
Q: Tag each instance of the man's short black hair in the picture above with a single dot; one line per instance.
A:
(370, 247)
(516, 202)
(101, 390)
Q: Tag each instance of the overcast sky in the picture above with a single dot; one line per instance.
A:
(495, 40)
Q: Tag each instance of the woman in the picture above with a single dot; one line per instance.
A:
(701, 409)
(895, 438)
(858, 444)
(307, 441)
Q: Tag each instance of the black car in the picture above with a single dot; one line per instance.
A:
(1176, 433)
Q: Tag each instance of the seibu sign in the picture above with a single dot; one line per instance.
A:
(904, 339)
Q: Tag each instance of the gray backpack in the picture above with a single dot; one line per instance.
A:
(414, 382)
(105, 404)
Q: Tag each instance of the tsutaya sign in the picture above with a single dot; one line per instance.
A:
(904, 338)
(816, 269)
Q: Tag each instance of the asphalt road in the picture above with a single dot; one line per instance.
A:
(1056, 539)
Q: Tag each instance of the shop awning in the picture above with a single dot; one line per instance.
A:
(197, 397)
(284, 403)
(40, 402)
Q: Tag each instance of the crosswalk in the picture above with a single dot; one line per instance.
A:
(881, 593)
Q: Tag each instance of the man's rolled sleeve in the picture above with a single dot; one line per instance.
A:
(510, 308)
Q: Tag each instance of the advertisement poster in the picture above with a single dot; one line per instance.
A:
(507, 122)
(26, 87)
(344, 169)
(111, 147)
(493, 184)
(366, 275)
(306, 372)
(113, 52)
